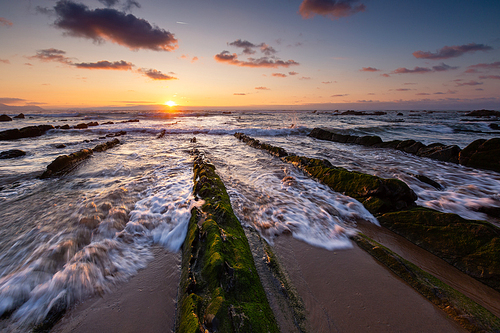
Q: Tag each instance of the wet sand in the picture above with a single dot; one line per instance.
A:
(146, 303)
(349, 291)
(470, 287)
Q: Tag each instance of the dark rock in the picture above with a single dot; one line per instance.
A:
(389, 144)
(368, 140)
(19, 116)
(377, 113)
(494, 126)
(414, 148)
(193, 140)
(61, 145)
(352, 138)
(81, 126)
(321, 134)
(93, 123)
(427, 180)
(105, 146)
(400, 114)
(13, 153)
(441, 153)
(120, 133)
(483, 154)
(130, 121)
(483, 113)
(5, 117)
(65, 127)
(30, 131)
(406, 143)
(162, 134)
(108, 123)
(65, 163)
(352, 113)
(11, 134)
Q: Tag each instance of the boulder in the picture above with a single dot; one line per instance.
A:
(483, 113)
(65, 127)
(494, 126)
(483, 154)
(106, 145)
(64, 163)
(13, 153)
(61, 145)
(108, 123)
(5, 117)
(19, 116)
(11, 134)
(25, 132)
(414, 148)
(368, 140)
(81, 126)
(93, 123)
(440, 152)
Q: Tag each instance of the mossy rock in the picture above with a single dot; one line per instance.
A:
(471, 246)
(220, 289)
(276, 151)
(377, 194)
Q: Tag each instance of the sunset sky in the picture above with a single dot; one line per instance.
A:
(303, 54)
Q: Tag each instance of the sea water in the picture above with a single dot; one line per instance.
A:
(69, 237)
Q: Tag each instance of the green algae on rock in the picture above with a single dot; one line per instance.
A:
(276, 151)
(220, 289)
(463, 310)
(471, 246)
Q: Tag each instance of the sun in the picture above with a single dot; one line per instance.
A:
(170, 103)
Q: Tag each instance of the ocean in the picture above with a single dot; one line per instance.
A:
(66, 238)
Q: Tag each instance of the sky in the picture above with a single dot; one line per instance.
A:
(291, 54)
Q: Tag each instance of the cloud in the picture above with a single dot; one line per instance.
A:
(278, 75)
(449, 92)
(292, 73)
(155, 74)
(11, 100)
(493, 77)
(5, 61)
(422, 94)
(262, 88)
(443, 67)
(111, 25)
(249, 47)
(186, 56)
(333, 9)
(109, 3)
(121, 65)
(416, 70)
(232, 59)
(470, 83)
(385, 75)
(369, 69)
(194, 59)
(5, 22)
(52, 55)
(451, 51)
(305, 78)
(326, 82)
(403, 89)
(239, 94)
(477, 68)
(340, 95)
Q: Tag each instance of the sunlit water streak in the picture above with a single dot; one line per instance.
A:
(66, 238)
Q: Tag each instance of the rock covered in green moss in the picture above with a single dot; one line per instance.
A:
(220, 289)
(377, 194)
(276, 151)
(471, 246)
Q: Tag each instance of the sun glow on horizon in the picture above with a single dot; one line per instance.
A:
(170, 103)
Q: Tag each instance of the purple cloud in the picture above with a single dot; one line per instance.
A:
(232, 59)
(52, 55)
(416, 70)
(112, 25)
(369, 69)
(443, 67)
(493, 77)
(470, 83)
(340, 95)
(333, 9)
(155, 74)
(451, 51)
(479, 67)
(121, 65)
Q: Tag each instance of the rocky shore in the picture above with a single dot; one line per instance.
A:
(471, 246)
(482, 154)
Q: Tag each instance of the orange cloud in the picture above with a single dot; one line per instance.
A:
(369, 69)
(278, 75)
(262, 88)
(155, 74)
(121, 65)
(4, 21)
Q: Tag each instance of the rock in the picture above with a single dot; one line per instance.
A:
(494, 126)
(352, 113)
(106, 145)
(13, 153)
(427, 180)
(5, 117)
(389, 144)
(111, 135)
(25, 132)
(193, 140)
(93, 123)
(441, 153)
(406, 143)
(30, 131)
(81, 126)
(11, 134)
(65, 127)
(19, 116)
(64, 163)
(414, 148)
(130, 121)
(483, 113)
(61, 145)
(483, 154)
(368, 140)
(321, 134)
(108, 123)
(162, 134)
(400, 114)
(276, 151)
